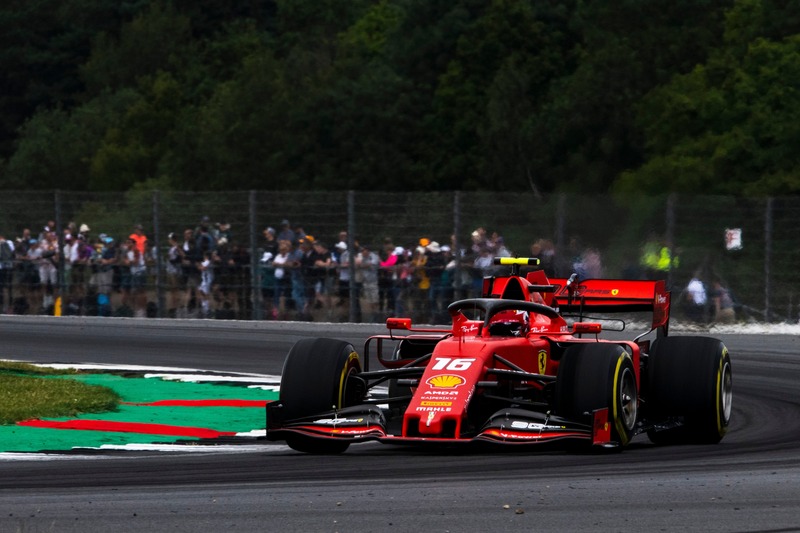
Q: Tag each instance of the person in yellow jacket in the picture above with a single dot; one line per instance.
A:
(657, 260)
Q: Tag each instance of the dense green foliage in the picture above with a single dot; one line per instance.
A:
(545, 95)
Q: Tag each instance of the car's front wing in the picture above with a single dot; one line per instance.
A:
(507, 426)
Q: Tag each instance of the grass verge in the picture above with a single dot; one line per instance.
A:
(26, 392)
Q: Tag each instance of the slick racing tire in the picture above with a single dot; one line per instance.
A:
(689, 378)
(319, 376)
(597, 376)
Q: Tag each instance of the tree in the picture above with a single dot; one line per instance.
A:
(731, 125)
(43, 43)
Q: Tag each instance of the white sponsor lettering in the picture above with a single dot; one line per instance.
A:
(472, 328)
(519, 424)
(335, 421)
(443, 392)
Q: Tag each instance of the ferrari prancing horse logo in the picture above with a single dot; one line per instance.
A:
(542, 361)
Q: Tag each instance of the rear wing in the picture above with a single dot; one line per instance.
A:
(613, 296)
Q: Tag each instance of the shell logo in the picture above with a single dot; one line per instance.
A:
(446, 381)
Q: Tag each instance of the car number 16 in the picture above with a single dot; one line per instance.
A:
(448, 363)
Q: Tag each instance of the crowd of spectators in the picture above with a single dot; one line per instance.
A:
(82, 273)
(206, 272)
(308, 277)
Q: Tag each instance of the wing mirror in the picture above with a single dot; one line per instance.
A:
(586, 327)
(398, 323)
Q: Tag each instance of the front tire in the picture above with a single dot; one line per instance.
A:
(692, 378)
(319, 376)
(598, 376)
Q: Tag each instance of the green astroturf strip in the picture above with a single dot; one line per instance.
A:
(145, 390)
(30, 439)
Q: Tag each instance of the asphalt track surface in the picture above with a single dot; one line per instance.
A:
(749, 482)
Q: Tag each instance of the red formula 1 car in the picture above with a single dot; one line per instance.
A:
(523, 364)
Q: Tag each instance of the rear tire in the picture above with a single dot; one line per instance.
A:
(690, 377)
(598, 376)
(319, 377)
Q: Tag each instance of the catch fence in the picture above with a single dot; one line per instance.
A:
(751, 244)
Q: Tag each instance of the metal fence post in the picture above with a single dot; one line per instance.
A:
(351, 254)
(58, 296)
(255, 294)
(157, 254)
(767, 257)
(669, 235)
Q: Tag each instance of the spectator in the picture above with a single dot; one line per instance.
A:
(283, 284)
(125, 307)
(462, 267)
(498, 246)
(85, 230)
(321, 267)
(297, 268)
(479, 241)
(48, 227)
(483, 268)
(34, 286)
(387, 277)
(343, 274)
(434, 268)
(47, 257)
(81, 263)
(657, 259)
(204, 241)
(589, 264)
(285, 233)
(206, 268)
(270, 241)
(724, 311)
(300, 233)
(402, 277)
(544, 251)
(342, 244)
(696, 297)
(447, 282)
(367, 263)
(70, 255)
(27, 276)
(139, 239)
(190, 261)
(224, 286)
(223, 232)
(6, 272)
(269, 284)
(104, 277)
(420, 282)
(136, 263)
(268, 280)
(174, 272)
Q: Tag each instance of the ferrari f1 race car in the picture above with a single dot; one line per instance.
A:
(523, 364)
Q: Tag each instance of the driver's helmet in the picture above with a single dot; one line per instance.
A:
(510, 323)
